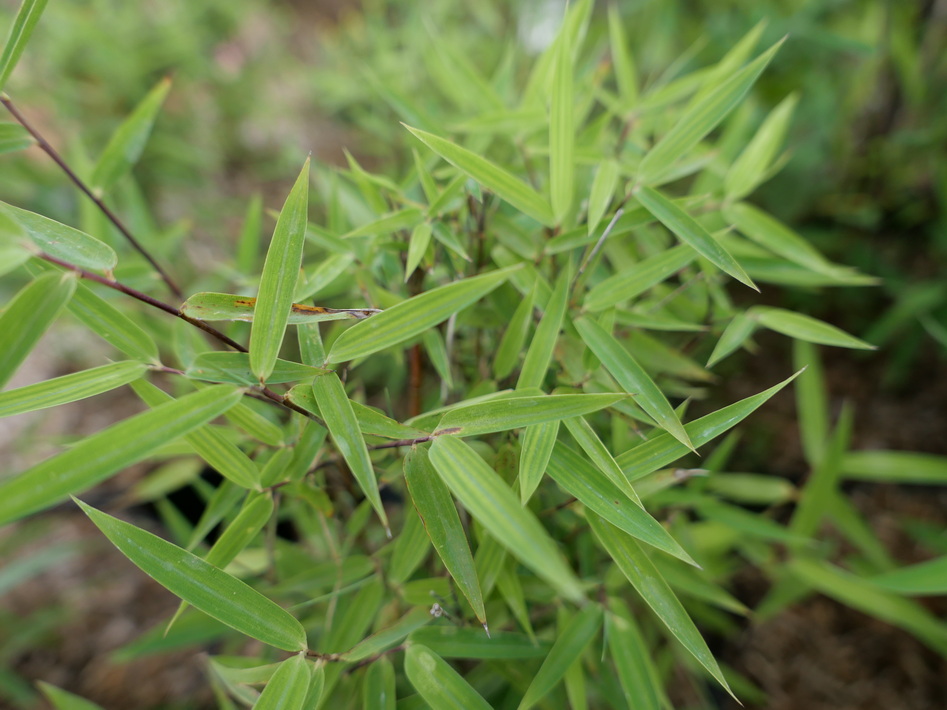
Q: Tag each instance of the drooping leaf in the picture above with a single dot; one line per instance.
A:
(23, 25)
(440, 685)
(632, 377)
(410, 318)
(64, 242)
(288, 686)
(417, 247)
(379, 688)
(202, 585)
(506, 186)
(484, 494)
(128, 142)
(633, 659)
(599, 455)
(25, 319)
(443, 526)
(278, 281)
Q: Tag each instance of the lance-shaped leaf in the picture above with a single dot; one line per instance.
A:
(388, 637)
(503, 184)
(337, 412)
(803, 327)
(737, 332)
(288, 686)
(228, 306)
(648, 582)
(751, 167)
(562, 130)
(28, 315)
(544, 340)
(64, 242)
(23, 24)
(402, 219)
(113, 326)
(633, 660)
(700, 119)
(600, 195)
(485, 495)
(538, 440)
(280, 272)
(455, 642)
(412, 317)
(628, 283)
(128, 142)
(202, 585)
(582, 480)
(218, 451)
(14, 137)
(663, 449)
(513, 413)
(70, 388)
(96, 457)
(61, 700)
(570, 643)
(514, 337)
(622, 61)
(235, 369)
(924, 579)
(440, 685)
(599, 455)
(443, 526)
(417, 247)
(691, 232)
(632, 377)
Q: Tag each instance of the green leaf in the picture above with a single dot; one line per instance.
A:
(502, 183)
(14, 137)
(628, 283)
(737, 332)
(98, 456)
(484, 494)
(632, 377)
(248, 246)
(23, 25)
(514, 337)
(64, 242)
(541, 349)
(235, 369)
(379, 688)
(535, 451)
(513, 413)
(417, 247)
(287, 688)
(228, 306)
(633, 660)
(570, 643)
(343, 427)
(648, 582)
(700, 119)
(61, 700)
(442, 523)
(691, 232)
(222, 454)
(622, 61)
(25, 319)
(409, 318)
(202, 585)
(582, 480)
(599, 455)
(750, 168)
(394, 222)
(128, 142)
(113, 326)
(812, 401)
(440, 685)
(603, 187)
(924, 579)
(895, 467)
(69, 388)
(472, 643)
(664, 449)
(280, 272)
(802, 327)
(386, 638)
(562, 131)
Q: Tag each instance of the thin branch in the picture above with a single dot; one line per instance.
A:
(78, 182)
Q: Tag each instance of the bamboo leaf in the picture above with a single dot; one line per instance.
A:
(128, 142)
(98, 456)
(440, 685)
(803, 327)
(228, 306)
(750, 168)
(288, 687)
(248, 246)
(514, 337)
(649, 583)
(337, 412)
(417, 247)
(541, 349)
(628, 283)
(562, 131)
(386, 638)
(202, 585)
(112, 325)
(700, 119)
(599, 455)
(25, 319)
(70, 388)
(484, 494)
(412, 317)
(513, 413)
(895, 467)
(502, 183)
(23, 25)
(923, 579)
(235, 369)
(538, 440)
(633, 660)
(471, 643)
(582, 480)
(570, 643)
(64, 242)
(396, 221)
(600, 195)
(379, 688)
(442, 523)
(14, 137)
(632, 377)
(280, 272)
(61, 700)
(690, 231)
(737, 332)
(622, 61)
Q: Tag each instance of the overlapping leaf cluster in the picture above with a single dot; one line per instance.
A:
(534, 297)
